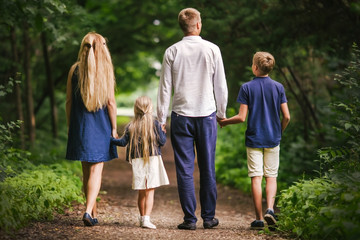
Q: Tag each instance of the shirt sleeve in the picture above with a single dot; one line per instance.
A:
(123, 141)
(243, 96)
(220, 86)
(282, 95)
(165, 88)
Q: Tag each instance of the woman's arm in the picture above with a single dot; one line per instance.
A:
(69, 94)
(239, 118)
(112, 114)
(286, 116)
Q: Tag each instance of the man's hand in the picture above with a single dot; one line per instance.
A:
(220, 121)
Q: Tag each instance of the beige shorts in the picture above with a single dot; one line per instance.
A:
(263, 161)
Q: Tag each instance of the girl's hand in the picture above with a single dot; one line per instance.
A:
(163, 127)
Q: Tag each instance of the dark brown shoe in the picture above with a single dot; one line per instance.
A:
(187, 226)
(212, 223)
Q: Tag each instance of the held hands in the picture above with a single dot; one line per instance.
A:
(163, 127)
(221, 121)
(114, 133)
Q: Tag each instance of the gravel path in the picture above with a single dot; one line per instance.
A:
(118, 212)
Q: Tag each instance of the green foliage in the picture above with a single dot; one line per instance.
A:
(323, 208)
(231, 163)
(328, 207)
(35, 194)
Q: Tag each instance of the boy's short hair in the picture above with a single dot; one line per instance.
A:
(188, 18)
(264, 61)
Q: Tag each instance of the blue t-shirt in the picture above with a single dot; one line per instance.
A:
(263, 97)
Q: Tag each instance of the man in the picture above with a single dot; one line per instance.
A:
(193, 71)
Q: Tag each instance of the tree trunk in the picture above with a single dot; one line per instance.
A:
(28, 92)
(50, 86)
(306, 120)
(17, 89)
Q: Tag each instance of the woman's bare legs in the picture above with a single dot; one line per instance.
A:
(92, 175)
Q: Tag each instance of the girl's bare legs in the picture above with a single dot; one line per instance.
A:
(145, 204)
(92, 175)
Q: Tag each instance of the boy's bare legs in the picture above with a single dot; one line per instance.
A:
(257, 196)
(271, 188)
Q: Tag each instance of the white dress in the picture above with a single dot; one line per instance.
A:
(149, 175)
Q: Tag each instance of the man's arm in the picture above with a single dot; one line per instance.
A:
(220, 87)
(286, 116)
(164, 91)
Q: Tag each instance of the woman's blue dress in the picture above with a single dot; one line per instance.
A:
(89, 132)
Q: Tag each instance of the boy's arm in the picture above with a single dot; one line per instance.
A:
(286, 116)
(239, 118)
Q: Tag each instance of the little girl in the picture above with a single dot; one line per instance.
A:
(144, 136)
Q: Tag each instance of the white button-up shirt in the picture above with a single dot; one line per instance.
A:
(193, 71)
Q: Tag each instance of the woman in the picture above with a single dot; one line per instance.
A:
(91, 116)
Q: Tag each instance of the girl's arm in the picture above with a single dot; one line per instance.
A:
(123, 141)
(112, 114)
(286, 116)
(239, 118)
(69, 94)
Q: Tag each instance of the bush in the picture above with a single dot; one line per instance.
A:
(35, 194)
(322, 208)
(328, 207)
(30, 189)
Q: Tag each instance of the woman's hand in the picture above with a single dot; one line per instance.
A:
(114, 133)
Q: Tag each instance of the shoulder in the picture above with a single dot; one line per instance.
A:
(277, 84)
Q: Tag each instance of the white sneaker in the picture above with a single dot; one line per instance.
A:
(147, 224)
(141, 220)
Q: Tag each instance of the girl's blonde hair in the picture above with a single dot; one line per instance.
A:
(95, 72)
(188, 18)
(142, 131)
(264, 61)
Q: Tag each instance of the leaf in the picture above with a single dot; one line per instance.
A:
(347, 126)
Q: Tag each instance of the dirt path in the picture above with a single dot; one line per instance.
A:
(118, 212)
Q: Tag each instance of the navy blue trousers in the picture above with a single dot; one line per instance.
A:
(188, 134)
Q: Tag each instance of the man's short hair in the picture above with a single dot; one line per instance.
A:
(264, 61)
(188, 18)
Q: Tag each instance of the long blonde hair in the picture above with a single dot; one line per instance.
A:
(95, 72)
(141, 129)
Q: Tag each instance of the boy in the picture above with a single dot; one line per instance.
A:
(263, 98)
